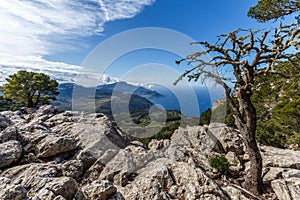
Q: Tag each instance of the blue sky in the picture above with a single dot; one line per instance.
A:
(56, 36)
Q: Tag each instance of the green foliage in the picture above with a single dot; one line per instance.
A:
(205, 117)
(220, 163)
(8, 104)
(266, 10)
(30, 89)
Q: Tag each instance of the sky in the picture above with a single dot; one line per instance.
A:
(58, 36)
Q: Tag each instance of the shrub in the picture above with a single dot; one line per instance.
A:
(220, 163)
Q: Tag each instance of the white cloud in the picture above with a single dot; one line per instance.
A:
(31, 29)
(59, 71)
(42, 27)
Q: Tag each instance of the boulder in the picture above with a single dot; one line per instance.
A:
(53, 145)
(72, 168)
(287, 189)
(230, 138)
(282, 158)
(10, 190)
(94, 132)
(10, 133)
(99, 189)
(4, 122)
(198, 137)
(10, 152)
(127, 161)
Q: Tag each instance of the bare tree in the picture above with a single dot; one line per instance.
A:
(240, 57)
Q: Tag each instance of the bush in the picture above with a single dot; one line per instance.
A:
(220, 163)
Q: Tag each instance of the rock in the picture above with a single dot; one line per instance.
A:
(45, 112)
(198, 137)
(86, 158)
(167, 149)
(13, 118)
(4, 122)
(230, 138)
(9, 190)
(99, 189)
(116, 196)
(9, 152)
(10, 133)
(234, 193)
(274, 173)
(287, 189)
(93, 172)
(95, 132)
(234, 162)
(283, 158)
(72, 168)
(63, 186)
(192, 183)
(33, 176)
(52, 145)
(127, 161)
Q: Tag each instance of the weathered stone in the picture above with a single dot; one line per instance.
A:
(287, 189)
(11, 191)
(87, 159)
(72, 168)
(230, 138)
(198, 137)
(9, 152)
(10, 133)
(274, 173)
(192, 183)
(234, 193)
(234, 162)
(64, 186)
(52, 145)
(93, 172)
(127, 161)
(283, 158)
(99, 189)
(4, 122)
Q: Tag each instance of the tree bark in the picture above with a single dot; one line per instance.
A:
(247, 126)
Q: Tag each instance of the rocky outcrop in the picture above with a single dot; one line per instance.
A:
(287, 188)
(53, 145)
(9, 152)
(48, 154)
(9, 190)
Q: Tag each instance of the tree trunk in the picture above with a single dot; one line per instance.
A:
(253, 180)
(29, 102)
(247, 126)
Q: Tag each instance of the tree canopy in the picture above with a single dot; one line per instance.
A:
(266, 10)
(30, 89)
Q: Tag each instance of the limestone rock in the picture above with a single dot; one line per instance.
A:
(72, 168)
(9, 152)
(4, 122)
(63, 186)
(198, 137)
(287, 189)
(9, 190)
(99, 189)
(230, 138)
(52, 145)
(283, 158)
(127, 161)
(10, 133)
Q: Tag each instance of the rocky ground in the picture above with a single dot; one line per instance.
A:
(46, 154)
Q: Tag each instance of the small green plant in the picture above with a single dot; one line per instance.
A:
(220, 163)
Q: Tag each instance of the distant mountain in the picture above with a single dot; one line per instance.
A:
(103, 97)
(131, 89)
